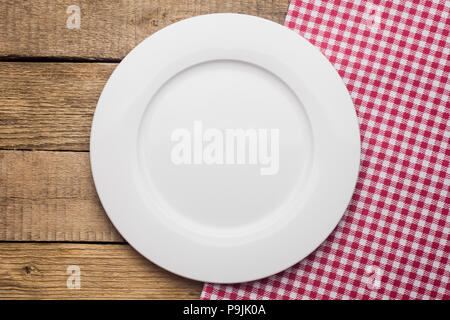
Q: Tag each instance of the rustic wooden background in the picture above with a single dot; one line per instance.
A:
(50, 80)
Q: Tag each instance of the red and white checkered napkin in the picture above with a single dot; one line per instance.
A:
(393, 241)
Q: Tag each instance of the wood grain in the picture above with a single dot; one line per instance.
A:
(50, 196)
(49, 106)
(39, 271)
(108, 29)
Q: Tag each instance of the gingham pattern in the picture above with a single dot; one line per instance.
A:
(393, 241)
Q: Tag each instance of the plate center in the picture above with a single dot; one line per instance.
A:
(224, 144)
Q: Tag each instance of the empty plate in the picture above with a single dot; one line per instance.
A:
(225, 148)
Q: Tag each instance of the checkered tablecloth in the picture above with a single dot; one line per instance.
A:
(393, 241)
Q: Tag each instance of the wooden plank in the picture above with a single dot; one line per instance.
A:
(49, 106)
(107, 271)
(50, 196)
(108, 29)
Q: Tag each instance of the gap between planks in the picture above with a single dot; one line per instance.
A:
(108, 29)
(50, 196)
(49, 106)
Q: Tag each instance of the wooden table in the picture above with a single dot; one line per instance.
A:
(51, 75)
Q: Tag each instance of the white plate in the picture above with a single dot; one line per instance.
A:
(163, 137)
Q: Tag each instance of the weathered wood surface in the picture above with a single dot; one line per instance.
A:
(39, 271)
(50, 196)
(108, 29)
(49, 106)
